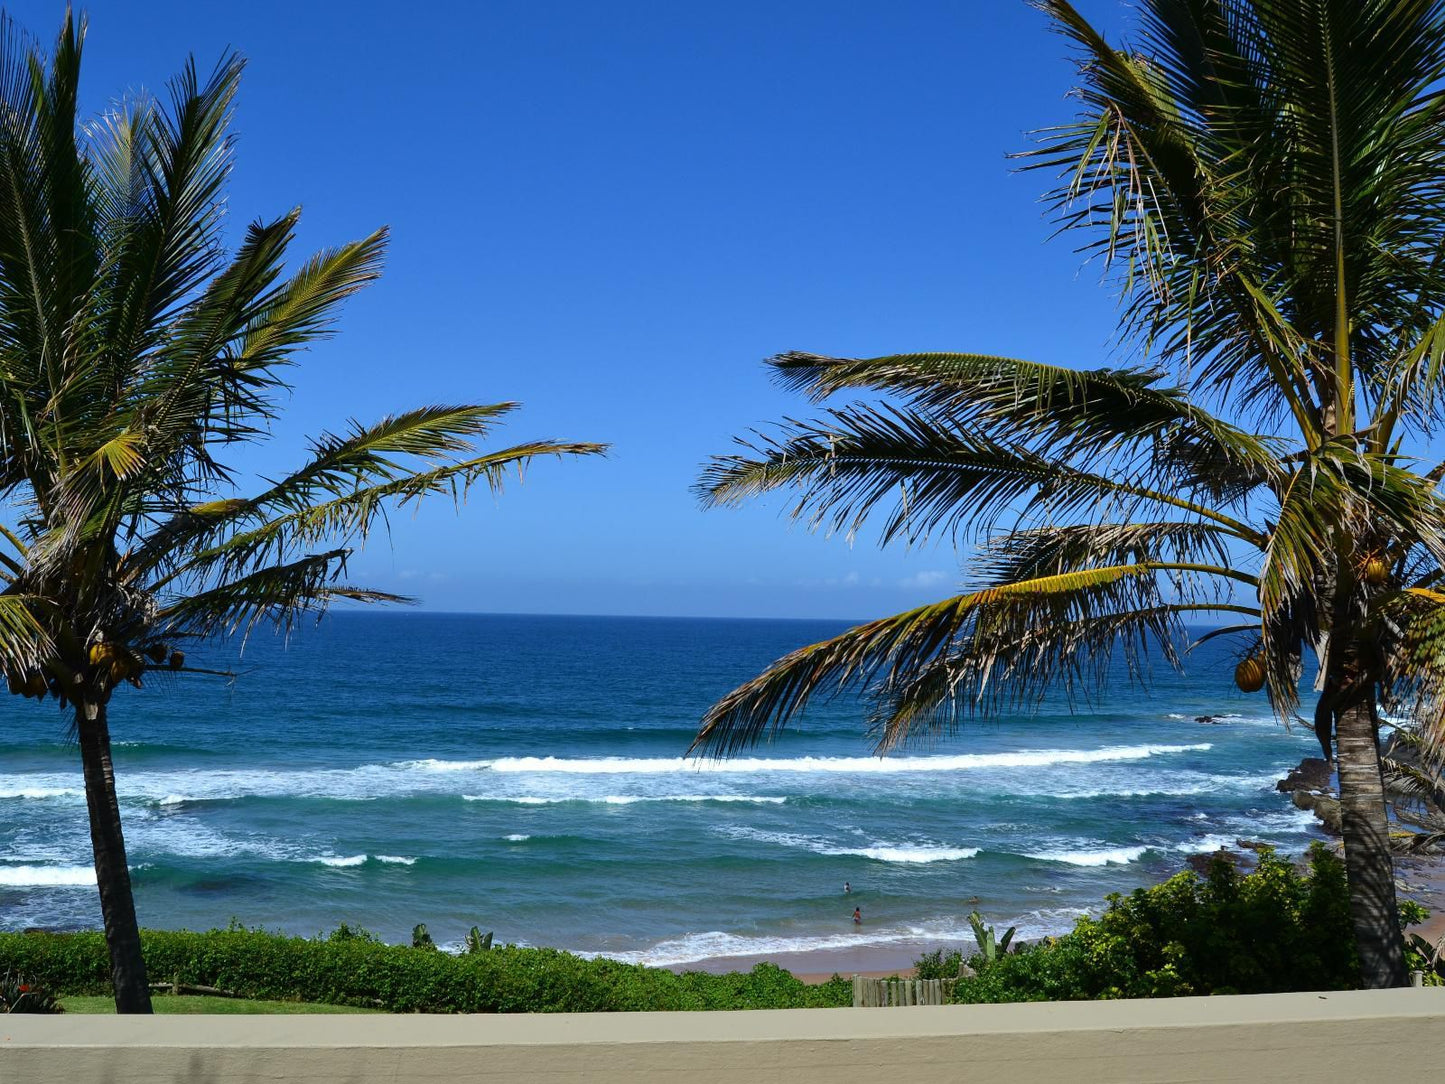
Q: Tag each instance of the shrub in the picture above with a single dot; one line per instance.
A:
(23, 995)
(353, 969)
(1271, 930)
(938, 964)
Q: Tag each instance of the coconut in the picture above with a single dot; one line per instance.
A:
(177, 660)
(156, 653)
(1374, 571)
(35, 685)
(1249, 674)
(99, 652)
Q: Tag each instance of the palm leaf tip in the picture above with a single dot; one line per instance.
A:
(804, 372)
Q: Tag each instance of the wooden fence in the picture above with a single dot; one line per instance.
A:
(892, 993)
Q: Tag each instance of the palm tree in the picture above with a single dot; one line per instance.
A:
(1265, 181)
(134, 351)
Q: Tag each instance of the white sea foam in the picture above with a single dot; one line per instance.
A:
(716, 943)
(1163, 790)
(432, 765)
(1271, 824)
(185, 836)
(630, 799)
(46, 876)
(39, 792)
(1204, 845)
(885, 853)
(396, 860)
(1116, 856)
(535, 777)
(926, 934)
(624, 799)
(517, 837)
(1026, 758)
(343, 863)
(878, 851)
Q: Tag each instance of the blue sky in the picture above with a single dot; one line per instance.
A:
(612, 212)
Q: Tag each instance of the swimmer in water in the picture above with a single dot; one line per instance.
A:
(857, 916)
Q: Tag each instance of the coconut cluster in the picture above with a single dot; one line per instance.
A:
(1249, 674)
(111, 662)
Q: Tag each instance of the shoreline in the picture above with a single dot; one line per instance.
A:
(819, 965)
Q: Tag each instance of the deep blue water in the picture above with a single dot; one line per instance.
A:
(523, 774)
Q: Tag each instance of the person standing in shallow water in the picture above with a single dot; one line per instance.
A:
(857, 916)
(847, 888)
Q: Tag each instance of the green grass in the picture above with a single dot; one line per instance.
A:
(169, 1004)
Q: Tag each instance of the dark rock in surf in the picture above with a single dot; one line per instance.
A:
(1325, 808)
(1201, 863)
(1313, 773)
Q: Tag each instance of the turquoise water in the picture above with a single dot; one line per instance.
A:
(524, 774)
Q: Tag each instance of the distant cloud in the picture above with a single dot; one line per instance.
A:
(418, 574)
(927, 578)
(848, 579)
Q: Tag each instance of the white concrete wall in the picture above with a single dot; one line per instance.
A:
(1385, 1037)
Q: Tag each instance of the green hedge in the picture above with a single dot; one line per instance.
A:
(1272, 930)
(358, 971)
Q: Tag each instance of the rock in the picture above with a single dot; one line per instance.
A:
(1253, 845)
(1325, 808)
(1200, 863)
(1313, 773)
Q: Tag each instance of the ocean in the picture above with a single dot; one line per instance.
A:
(525, 775)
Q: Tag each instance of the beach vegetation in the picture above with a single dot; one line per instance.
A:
(138, 351)
(1426, 957)
(1277, 928)
(476, 941)
(20, 994)
(1261, 182)
(397, 978)
(200, 1004)
(939, 964)
(990, 945)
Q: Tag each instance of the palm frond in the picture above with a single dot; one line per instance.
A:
(935, 476)
(25, 643)
(337, 496)
(278, 593)
(904, 658)
(1075, 413)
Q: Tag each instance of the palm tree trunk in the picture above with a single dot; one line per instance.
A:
(1368, 866)
(117, 908)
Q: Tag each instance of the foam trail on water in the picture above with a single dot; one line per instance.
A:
(1027, 758)
(1117, 856)
(879, 851)
(931, 934)
(46, 876)
(341, 863)
(39, 792)
(624, 799)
